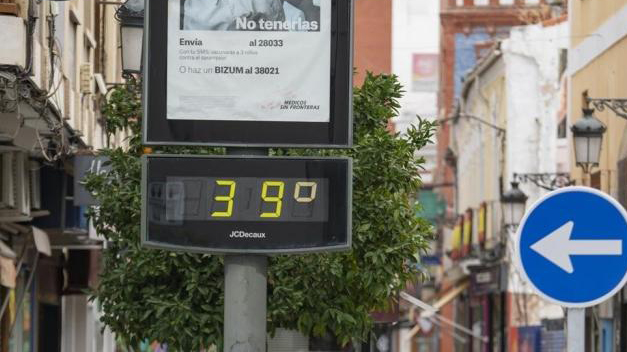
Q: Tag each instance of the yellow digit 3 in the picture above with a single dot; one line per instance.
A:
(278, 199)
(228, 198)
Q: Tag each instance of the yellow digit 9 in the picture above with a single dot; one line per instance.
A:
(278, 199)
(228, 198)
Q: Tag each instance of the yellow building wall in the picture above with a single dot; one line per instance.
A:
(604, 77)
(588, 15)
(479, 180)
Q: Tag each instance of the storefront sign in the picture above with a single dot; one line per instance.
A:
(83, 166)
(456, 250)
(482, 225)
(254, 205)
(488, 279)
(467, 233)
(255, 72)
(425, 72)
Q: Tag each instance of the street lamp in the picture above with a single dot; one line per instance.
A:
(588, 135)
(513, 203)
(131, 18)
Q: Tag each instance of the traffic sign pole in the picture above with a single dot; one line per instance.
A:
(245, 290)
(576, 337)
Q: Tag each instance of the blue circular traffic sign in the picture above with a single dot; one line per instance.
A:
(572, 246)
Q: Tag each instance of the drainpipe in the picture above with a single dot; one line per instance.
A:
(33, 15)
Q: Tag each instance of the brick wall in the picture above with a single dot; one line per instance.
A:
(373, 37)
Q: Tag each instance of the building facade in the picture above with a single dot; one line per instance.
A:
(467, 29)
(57, 62)
(415, 46)
(372, 38)
(597, 55)
(508, 126)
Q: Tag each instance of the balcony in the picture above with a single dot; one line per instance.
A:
(9, 7)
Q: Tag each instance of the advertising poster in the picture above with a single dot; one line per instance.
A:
(249, 60)
(425, 72)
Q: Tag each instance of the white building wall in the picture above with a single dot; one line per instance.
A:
(81, 329)
(521, 92)
(532, 64)
(415, 30)
(534, 99)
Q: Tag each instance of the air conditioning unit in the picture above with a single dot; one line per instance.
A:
(10, 124)
(13, 39)
(86, 79)
(27, 138)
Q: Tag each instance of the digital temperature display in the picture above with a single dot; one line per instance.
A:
(239, 199)
(246, 204)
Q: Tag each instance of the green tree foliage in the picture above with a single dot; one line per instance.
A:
(178, 298)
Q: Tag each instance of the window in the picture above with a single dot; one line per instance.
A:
(622, 182)
(506, 2)
(86, 52)
(72, 53)
(563, 64)
(561, 128)
(482, 2)
(58, 10)
(595, 180)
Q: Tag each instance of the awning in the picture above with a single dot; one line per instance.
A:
(430, 311)
(449, 296)
(42, 241)
(6, 251)
(42, 244)
(8, 273)
(73, 238)
(418, 303)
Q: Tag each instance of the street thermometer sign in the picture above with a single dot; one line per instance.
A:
(572, 247)
(248, 204)
(247, 74)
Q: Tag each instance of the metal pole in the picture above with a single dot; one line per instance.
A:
(576, 334)
(245, 291)
(245, 285)
(25, 292)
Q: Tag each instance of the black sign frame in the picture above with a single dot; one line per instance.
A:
(339, 218)
(158, 130)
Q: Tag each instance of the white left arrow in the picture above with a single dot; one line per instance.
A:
(557, 247)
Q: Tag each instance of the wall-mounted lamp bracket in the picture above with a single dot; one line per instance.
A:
(618, 106)
(547, 181)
